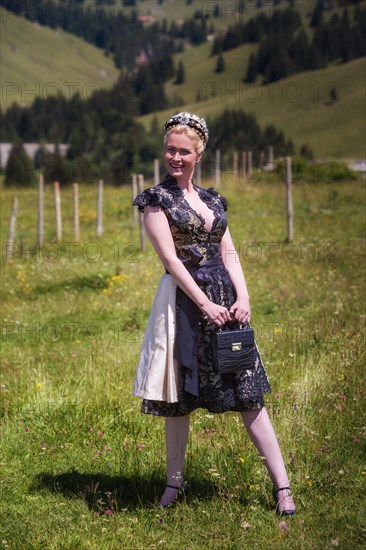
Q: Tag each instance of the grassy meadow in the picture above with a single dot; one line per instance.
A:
(40, 61)
(81, 468)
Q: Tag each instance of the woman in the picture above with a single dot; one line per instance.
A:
(204, 288)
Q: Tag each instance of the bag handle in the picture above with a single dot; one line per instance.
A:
(240, 326)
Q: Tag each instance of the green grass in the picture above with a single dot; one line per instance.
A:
(37, 60)
(297, 105)
(73, 443)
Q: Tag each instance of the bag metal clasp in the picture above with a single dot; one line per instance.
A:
(236, 346)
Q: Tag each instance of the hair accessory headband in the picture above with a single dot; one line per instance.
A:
(193, 121)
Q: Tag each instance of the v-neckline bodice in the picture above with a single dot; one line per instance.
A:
(199, 216)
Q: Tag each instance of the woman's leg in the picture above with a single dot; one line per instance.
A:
(176, 436)
(262, 434)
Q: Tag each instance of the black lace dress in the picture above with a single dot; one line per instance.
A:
(217, 393)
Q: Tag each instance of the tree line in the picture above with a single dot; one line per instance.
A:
(284, 47)
(235, 130)
(285, 22)
(340, 39)
(102, 147)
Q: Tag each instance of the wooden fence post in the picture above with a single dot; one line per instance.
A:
(261, 160)
(235, 166)
(270, 157)
(156, 172)
(289, 209)
(11, 231)
(40, 221)
(250, 163)
(75, 202)
(56, 187)
(244, 164)
(140, 183)
(217, 168)
(134, 195)
(100, 209)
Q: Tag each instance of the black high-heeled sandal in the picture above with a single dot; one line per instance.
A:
(277, 501)
(182, 492)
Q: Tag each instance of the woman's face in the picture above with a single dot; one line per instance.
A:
(180, 156)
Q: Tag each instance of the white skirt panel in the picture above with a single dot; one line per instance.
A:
(157, 370)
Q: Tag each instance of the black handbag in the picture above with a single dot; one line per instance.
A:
(233, 348)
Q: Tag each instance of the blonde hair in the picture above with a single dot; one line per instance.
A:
(190, 133)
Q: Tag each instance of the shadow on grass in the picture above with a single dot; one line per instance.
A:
(102, 492)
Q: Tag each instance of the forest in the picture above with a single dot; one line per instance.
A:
(102, 130)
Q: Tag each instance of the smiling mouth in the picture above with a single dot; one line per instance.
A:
(176, 165)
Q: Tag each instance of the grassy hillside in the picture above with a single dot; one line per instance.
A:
(38, 58)
(42, 61)
(299, 104)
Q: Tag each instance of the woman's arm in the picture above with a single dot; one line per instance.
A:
(158, 231)
(231, 260)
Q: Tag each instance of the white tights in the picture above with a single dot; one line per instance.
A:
(260, 430)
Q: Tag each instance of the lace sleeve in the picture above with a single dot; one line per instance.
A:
(151, 197)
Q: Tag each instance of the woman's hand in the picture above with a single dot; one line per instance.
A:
(241, 310)
(215, 313)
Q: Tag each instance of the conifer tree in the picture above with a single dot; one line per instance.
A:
(299, 51)
(56, 169)
(333, 95)
(252, 70)
(306, 152)
(220, 64)
(217, 46)
(317, 15)
(41, 156)
(19, 170)
(180, 76)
